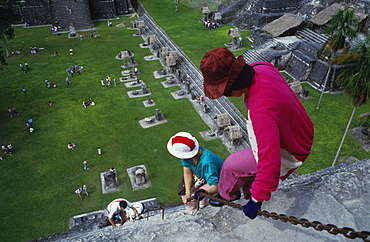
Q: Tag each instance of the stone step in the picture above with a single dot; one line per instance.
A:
(311, 36)
(98, 218)
(79, 17)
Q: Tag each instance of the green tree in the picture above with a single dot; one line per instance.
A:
(343, 28)
(355, 79)
(8, 16)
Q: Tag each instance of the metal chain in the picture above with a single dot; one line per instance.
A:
(330, 228)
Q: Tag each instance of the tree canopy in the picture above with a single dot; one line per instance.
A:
(8, 16)
(355, 76)
(343, 27)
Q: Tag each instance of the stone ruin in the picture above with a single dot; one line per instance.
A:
(170, 61)
(158, 115)
(235, 35)
(235, 133)
(124, 54)
(205, 11)
(293, 37)
(222, 121)
(139, 177)
(109, 181)
(140, 25)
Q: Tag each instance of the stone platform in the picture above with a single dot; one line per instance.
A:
(145, 123)
(134, 184)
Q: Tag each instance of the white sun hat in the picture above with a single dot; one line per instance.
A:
(183, 145)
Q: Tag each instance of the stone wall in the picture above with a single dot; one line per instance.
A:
(46, 12)
(122, 6)
(35, 12)
(103, 9)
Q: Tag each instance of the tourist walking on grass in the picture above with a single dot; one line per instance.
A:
(24, 91)
(78, 192)
(10, 148)
(85, 165)
(68, 82)
(10, 112)
(14, 111)
(99, 150)
(84, 187)
(22, 68)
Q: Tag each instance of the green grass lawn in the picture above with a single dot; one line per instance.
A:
(39, 179)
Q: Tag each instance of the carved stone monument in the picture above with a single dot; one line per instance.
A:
(217, 16)
(158, 115)
(109, 181)
(235, 133)
(150, 101)
(139, 177)
(144, 89)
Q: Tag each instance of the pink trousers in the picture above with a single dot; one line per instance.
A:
(238, 171)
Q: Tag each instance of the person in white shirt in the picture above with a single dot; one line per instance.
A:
(119, 207)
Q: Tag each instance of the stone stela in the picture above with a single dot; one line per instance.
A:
(109, 181)
(148, 122)
(138, 177)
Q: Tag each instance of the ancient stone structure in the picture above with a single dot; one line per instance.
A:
(305, 21)
(66, 12)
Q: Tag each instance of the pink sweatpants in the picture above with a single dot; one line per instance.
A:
(238, 171)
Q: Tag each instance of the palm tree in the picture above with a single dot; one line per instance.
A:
(355, 79)
(343, 28)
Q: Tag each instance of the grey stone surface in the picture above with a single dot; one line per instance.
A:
(150, 122)
(147, 104)
(361, 139)
(157, 76)
(180, 94)
(133, 179)
(151, 57)
(139, 93)
(107, 188)
(337, 195)
(134, 84)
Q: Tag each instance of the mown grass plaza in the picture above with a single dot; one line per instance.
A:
(40, 178)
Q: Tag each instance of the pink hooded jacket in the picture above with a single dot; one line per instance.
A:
(278, 126)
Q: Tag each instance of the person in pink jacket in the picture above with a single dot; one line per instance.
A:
(279, 128)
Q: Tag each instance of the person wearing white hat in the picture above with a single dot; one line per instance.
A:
(198, 163)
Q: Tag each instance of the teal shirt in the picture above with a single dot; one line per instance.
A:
(208, 167)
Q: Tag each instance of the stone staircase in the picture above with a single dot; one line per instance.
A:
(72, 13)
(251, 56)
(311, 36)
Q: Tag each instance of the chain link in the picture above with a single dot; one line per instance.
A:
(330, 228)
